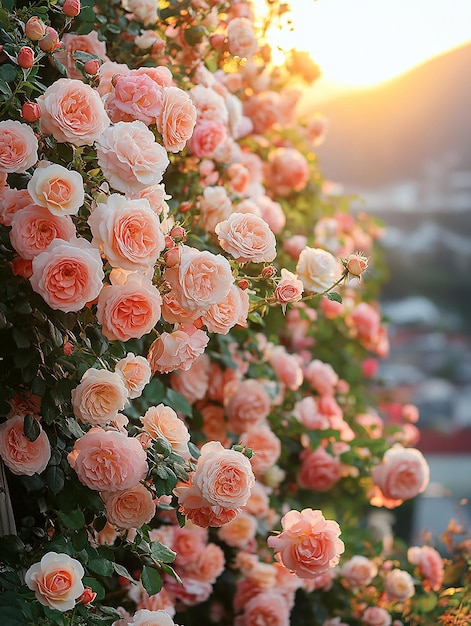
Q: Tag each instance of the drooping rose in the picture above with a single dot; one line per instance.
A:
(21, 455)
(56, 581)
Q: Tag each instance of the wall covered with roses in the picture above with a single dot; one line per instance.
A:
(188, 327)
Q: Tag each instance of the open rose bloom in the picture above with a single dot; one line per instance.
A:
(56, 581)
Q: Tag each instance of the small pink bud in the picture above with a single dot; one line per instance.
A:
(169, 243)
(31, 111)
(178, 232)
(87, 596)
(185, 206)
(50, 41)
(91, 67)
(243, 284)
(268, 271)
(356, 264)
(26, 57)
(71, 8)
(68, 348)
(410, 413)
(35, 29)
(217, 41)
(172, 257)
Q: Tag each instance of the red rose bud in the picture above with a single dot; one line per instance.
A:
(31, 111)
(25, 57)
(50, 41)
(268, 271)
(35, 29)
(91, 67)
(243, 284)
(68, 348)
(217, 41)
(71, 8)
(87, 596)
(178, 232)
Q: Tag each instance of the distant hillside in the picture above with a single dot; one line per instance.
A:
(388, 133)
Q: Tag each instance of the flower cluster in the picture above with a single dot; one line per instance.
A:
(186, 329)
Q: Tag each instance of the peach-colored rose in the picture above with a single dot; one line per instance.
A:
(242, 41)
(192, 384)
(294, 246)
(317, 269)
(34, 228)
(358, 571)
(258, 504)
(263, 110)
(196, 509)
(135, 97)
(177, 119)
(99, 397)
(11, 201)
(208, 565)
(248, 405)
(108, 460)
(317, 129)
(286, 366)
(21, 455)
(367, 322)
(321, 376)
(144, 11)
(215, 206)
(130, 508)
(157, 602)
(399, 585)
(319, 470)
(68, 274)
(247, 238)
(156, 196)
(331, 308)
(224, 315)
(268, 608)
(18, 147)
(56, 581)
(273, 214)
(135, 372)
(84, 43)
(162, 421)
(207, 136)
(193, 591)
(372, 423)
(129, 311)
(240, 531)
(57, 189)
(265, 445)
(209, 104)
(307, 412)
(177, 350)
(289, 289)
(402, 474)
(72, 112)
(376, 616)
(188, 542)
(106, 74)
(309, 544)
(128, 232)
(214, 425)
(130, 158)
(430, 564)
(287, 171)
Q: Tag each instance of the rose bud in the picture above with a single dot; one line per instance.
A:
(169, 243)
(31, 111)
(178, 232)
(243, 284)
(91, 67)
(25, 57)
(87, 596)
(172, 257)
(35, 29)
(356, 264)
(217, 41)
(268, 271)
(71, 8)
(50, 41)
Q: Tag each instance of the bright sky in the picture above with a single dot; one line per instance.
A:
(363, 42)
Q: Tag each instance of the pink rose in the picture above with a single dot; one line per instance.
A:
(287, 171)
(84, 43)
(108, 460)
(129, 310)
(240, 531)
(209, 104)
(11, 201)
(263, 109)
(265, 445)
(215, 206)
(307, 412)
(272, 213)
(367, 323)
(224, 315)
(399, 585)
(248, 405)
(207, 136)
(242, 41)
(376, 616)
(57, 189)
(72, 112)
(144, 617)
(177, 350)
(286, 366)
(430, 564)
(162, 421)
(144, 11)
(317, 269)
(247, 238)
(267, 607)
(131, 508)
(208, 564)
(68, 274)
(189, 543)
(319, 470)
(321, 377)
(34, 228)
(135, 97)
(289, 289)
(309, 544)
(177, 119)
(56, 581)
(130, 157)
(192, 383)
(106, 73)
(99, 397)
(128, 232)
(21, 455)
(18, 147)
(135, 372)
(402, 474)
(358, 571)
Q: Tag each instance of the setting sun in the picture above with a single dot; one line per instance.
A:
(363, 42)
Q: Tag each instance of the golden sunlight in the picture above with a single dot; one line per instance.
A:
(360, 43)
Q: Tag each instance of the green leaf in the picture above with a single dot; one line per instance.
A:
(154, 391)
(163, 446)
(194, 450)
(7, 73)
(336, 297)
(151, 580)
(178, 402)
(72, 519)
(84, 56)
(21, 339)
(101, 566)
(11, 616)
(122, 571)
(31, 427)
(169, 570)
(55, 478)
(55, 617)
(161, 552)
(94, 586)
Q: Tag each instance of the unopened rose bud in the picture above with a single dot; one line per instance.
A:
(410, 413)
(71, 8)
(185, 206)
(35, 28)
(356, 264)
(217, 41)
(268, 271)
(172, 257)
(31, 111)
(25, 57)
(169, 243)
(178, 232)
(87, 596)
(50, 41)
(68, 348)
(243, 284)
(91, 67)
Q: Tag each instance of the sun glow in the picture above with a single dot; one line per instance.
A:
(363, 42)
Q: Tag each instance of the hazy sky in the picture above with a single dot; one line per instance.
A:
(362, 42)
